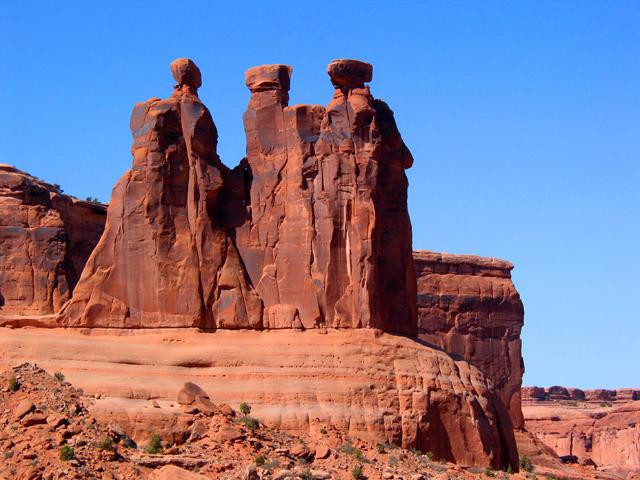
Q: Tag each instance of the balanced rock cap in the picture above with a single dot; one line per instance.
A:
(349, 73)
(268, 77)
(186, 72)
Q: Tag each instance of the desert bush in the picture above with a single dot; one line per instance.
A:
(251, 423)
(525, 464)
(105, 443)
(155, 444)
(489, 472)
(306, 474)
(245, 408)
(14, 384)
(58, 376)
(348, 448)
(357, 473)
(323, 431)
(260, 460)
(66, 453)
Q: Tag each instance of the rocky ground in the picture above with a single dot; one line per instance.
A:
(47, 431)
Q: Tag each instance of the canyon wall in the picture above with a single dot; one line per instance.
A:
(468, 306)
(45, 240)
(592, 427)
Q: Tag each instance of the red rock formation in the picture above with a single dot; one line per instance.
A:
(45, 240)
(164, 260)
(360, 382)
(327, 237)
(608, 436)
(557, 393)
(468, 306)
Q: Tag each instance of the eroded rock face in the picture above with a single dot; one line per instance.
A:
(326, 236)
(594, 431)
(45, 240)
(368, 385)
(468, 306)
(164, 259)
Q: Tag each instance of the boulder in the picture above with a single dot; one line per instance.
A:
(189, 392)
(24, 407)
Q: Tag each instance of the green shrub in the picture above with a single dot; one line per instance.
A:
(251, 423)
(380, 448)
(525, 464)
(105, 443)
(155, 444)
(66, 453)
(245, 408)
(306, 474)
(489, 472)
(58, 376)
(430, 456)
(14, 384)
(351, 450)
(260, 460)
(323, 431)
(357, 473)
(271, 465)
(606, 404)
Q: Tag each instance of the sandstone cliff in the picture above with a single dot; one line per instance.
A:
(45, 240)
(468, 306)
(588, 430)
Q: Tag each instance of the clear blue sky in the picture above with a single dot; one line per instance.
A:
(523, 118)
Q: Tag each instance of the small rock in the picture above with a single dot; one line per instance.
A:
(155, 404)
(226, 410)
(251, 473)
(24, 407)
(33, 419)
(322, 452)
(228, 433)
(320, 475)
(300, 450)
(205, 405)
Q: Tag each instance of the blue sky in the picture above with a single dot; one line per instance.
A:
(523, 119)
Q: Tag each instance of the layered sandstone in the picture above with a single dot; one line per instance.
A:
(326, 236)
(559, 393)
(165, 260)
(45, 240)
(468, 306)
(590, 432)
(378, 387)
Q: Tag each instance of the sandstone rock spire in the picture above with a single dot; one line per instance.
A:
(164, 259)
(327, 237)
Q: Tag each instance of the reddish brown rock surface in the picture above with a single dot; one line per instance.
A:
(592, 430)
(45, 240)
(164, 259)
(468, 306)
(310, 232)
(326, 236)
